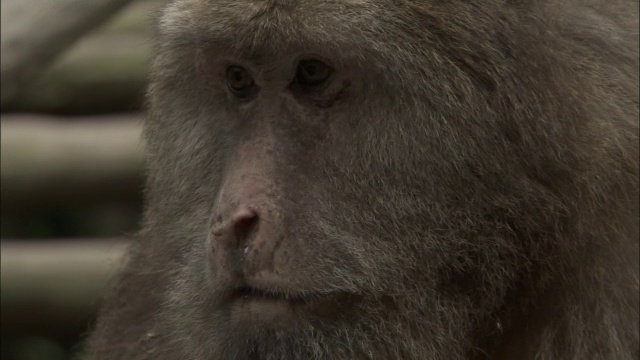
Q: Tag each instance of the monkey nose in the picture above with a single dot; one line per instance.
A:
(246, 242)
(245, 224)
(234, 231)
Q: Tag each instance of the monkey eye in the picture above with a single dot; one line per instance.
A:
(239, 81)
(312, 72)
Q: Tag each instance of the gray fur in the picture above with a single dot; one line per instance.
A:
(476, 184)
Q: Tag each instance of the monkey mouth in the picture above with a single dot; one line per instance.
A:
(271, 307)
(252, 293)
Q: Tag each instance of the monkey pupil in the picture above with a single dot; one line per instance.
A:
(312, 72)
(238, 79)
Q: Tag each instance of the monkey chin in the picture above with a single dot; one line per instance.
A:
(275, 311)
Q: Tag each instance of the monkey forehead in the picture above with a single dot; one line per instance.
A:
(270, 26)
(360, 29)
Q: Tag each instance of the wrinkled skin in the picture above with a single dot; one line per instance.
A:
(462, 185)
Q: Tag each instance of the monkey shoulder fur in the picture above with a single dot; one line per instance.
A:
(386, 179)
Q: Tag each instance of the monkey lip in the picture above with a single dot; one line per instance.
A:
(271, 308)
(252, 293)
(249, 293)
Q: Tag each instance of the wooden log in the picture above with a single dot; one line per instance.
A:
(47, 161)
(104, 72)
(55, 286)
(35, 32)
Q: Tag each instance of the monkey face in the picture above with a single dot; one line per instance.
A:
(338, 179)
(318, 184)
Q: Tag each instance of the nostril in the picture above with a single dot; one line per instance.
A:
(245, 223)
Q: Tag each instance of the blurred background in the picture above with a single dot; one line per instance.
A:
(73, 77)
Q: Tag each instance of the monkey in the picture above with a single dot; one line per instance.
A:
(386, 179)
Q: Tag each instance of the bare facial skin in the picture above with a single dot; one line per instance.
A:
(378, 179)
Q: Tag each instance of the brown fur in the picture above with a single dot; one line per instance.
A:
(473, 185)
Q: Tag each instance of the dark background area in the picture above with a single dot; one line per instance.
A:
(73, 81)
